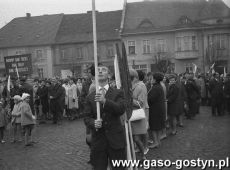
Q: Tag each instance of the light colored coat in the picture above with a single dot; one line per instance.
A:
(72, 94)
(140, 94)
(26, 114)
(16, 113)
(66, 87)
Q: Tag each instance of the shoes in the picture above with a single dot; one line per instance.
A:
(154, 146)
(146, 151)
(163, 137)
(174, 133)
(150, 141)
(137, 150)
(2, 141)
(28, 144)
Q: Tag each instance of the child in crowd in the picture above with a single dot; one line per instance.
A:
(16, 119)
(27, 119)
(3, 122)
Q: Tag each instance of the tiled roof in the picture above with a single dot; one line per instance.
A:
(30, 31)
(166, 14)
(78, 27)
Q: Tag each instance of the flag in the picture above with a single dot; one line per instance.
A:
(212, 68)
(126, 87)
(17, 71)
(117, 72)
(8, 84)
(225, 74)
(195, 68)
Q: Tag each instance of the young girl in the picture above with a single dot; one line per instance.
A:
(16, 118)
(3, 122)
(27, 118)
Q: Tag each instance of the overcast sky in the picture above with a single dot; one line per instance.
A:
(10, 9)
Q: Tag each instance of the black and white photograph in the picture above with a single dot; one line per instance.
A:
(114, 85)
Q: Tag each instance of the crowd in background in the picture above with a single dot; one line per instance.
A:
(166, 98)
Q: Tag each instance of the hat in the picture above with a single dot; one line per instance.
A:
(172, 76)
(24, 96)
(17, 97)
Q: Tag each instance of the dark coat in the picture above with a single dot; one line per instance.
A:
(182, 97)
(56, 104)
(216, 90)
(156, 107)
(192, 90)
(42, 92)
(112, 133)
(173, 100)
(227, 89)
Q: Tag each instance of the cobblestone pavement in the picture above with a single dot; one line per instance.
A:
(63, 147)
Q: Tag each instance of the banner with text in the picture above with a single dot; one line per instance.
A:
(18, 63)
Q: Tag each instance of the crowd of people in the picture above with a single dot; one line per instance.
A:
(48, 99)
(166, 99)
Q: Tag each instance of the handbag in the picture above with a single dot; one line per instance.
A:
(138, 114)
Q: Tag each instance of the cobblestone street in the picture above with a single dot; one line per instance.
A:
(63, 147)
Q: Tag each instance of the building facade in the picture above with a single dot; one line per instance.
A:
(179, 34)
(73, 49)
(31, 35)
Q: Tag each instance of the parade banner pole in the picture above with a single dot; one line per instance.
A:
(95, 55)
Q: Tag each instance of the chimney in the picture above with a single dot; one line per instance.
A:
(90, 12)
(28, 15)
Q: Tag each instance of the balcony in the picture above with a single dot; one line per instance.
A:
(183, 55)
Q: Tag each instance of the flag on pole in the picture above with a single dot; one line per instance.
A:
(17, 71)
(225, 74)
(8, 84)
(195, 68)
(117, 72)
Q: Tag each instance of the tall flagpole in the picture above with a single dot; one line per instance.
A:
(95, 55)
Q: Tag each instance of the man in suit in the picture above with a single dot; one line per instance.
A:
(108, 140)
(216, 90)
(227, 92)
(56, 96)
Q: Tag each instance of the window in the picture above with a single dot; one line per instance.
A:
(186, 43)
(38, 54)
(146, 46)
(142, 67)
(110, 51)
(131, 47)
(193, 42)
(220, 41)
(188, 67)
(18, 52)
(63, 54)
(161, 45)
(40, 72)
(179, 43)
(1, 57)
(79, 52)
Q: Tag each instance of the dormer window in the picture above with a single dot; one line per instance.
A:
(184, 20)
(146, 23)
(219, 21)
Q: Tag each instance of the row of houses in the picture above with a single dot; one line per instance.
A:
(171, 35)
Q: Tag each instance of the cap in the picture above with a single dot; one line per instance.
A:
(17, 97)
(24, 96)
